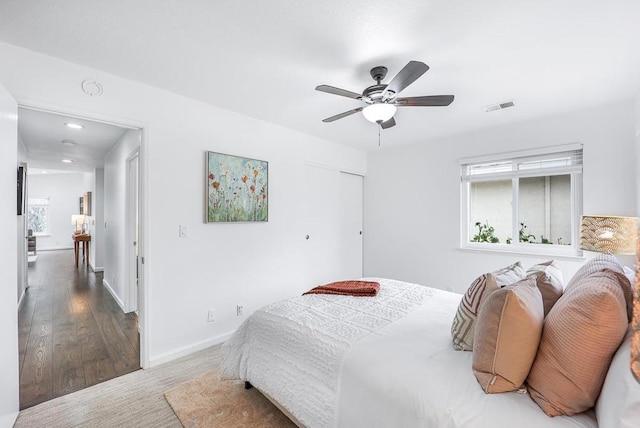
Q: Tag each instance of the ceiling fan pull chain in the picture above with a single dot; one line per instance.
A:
(379, 126)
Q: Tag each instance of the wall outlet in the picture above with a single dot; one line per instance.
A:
(183, 231)
(211, 316)
(239, 310)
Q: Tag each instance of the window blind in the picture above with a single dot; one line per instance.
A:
(557, 163)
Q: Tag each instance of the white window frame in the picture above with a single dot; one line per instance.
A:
(44, 202)
(575, 170)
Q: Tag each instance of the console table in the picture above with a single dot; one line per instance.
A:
(85, 239)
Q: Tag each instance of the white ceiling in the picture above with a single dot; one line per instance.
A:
(43, 134)
(265, 58)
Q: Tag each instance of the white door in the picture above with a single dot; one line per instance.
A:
(351, 206)
(333, 219)
(9, 395)
(132, 233)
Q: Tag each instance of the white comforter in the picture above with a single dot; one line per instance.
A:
(339, 361)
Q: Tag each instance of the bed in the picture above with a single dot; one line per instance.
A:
(386, 361)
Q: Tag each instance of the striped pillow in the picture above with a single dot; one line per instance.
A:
(463, 327)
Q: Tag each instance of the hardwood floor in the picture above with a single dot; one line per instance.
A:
(72, 333)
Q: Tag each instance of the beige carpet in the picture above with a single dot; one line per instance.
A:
(207, 401)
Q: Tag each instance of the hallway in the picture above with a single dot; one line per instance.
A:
(72, 333)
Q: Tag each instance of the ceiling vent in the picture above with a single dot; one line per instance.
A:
(500, 106)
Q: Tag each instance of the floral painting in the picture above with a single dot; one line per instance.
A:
(236, 189)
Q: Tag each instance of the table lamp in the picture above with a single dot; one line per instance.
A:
(77, 220)
(617, 235)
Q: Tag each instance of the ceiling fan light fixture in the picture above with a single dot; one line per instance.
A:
(378, 113)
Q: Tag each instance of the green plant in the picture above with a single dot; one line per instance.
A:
(524, 236)
(544, 240)
(485, 233)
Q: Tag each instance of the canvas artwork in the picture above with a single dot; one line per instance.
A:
(236, 189)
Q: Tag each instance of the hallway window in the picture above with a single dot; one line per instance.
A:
(38, 218)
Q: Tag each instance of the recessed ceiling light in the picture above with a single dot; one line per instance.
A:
(44, 172)
(67, 161)
(74, 125)
(69, 142)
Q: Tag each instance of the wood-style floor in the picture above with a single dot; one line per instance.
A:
(72, 333)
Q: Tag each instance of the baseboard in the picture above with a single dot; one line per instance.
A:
(21, 298)
(8, 420)
(55, 248)
(113, 294)
(96, 269)
(170, 356)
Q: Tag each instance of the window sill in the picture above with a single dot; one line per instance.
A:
(504, 250)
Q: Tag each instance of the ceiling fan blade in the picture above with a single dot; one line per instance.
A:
(341, 115)
(404, 78)
(337, 91)
(430, 100)
(388, 124)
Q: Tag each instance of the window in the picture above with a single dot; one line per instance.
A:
(38, 216)
(525, 202)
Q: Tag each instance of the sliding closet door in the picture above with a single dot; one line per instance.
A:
(333, 217)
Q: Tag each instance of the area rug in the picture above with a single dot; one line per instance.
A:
(207, 401)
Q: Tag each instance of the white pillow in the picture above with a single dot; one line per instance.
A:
(619, 403)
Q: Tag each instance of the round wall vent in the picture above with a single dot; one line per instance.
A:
(91, 87)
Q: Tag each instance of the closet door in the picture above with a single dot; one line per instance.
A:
(351, 203)
(333, 218)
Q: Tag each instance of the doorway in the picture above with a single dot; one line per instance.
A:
(75, 326)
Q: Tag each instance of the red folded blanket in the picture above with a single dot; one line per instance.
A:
(348, 288)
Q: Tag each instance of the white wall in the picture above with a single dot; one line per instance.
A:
(412, 193)
(64, 192)
(218, 265)
(8, 255)
(637, 147)
(115, 182)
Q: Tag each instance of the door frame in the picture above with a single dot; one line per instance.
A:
(131, 266)
(142, 127)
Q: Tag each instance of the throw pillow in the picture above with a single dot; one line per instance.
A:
(507, 335)
(463, 327)
(580, 335)
(619, 403)
(606, 262)
(509, 275)
(549, 280)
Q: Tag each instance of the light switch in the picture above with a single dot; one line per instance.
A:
(184, 231)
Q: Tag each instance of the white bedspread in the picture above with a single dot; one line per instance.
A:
(373, 362)
(293, 350)
(408, 375)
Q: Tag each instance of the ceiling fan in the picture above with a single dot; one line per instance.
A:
(381, 100)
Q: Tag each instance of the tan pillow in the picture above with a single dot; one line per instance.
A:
(549, 280)
(581, 333)
(507, 335)
(463, 327)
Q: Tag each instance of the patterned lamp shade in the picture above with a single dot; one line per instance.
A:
(609, 234)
